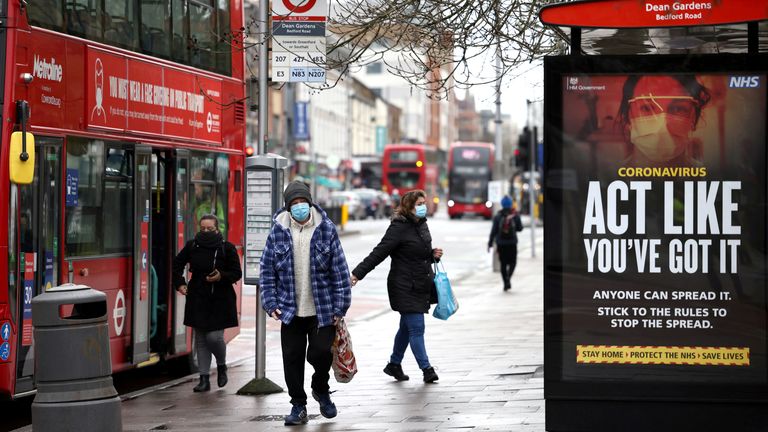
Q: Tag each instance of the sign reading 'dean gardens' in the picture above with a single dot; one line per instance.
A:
(652, 13)
(298, 40)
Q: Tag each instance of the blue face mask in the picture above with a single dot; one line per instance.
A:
(300, 211)
(421, 210)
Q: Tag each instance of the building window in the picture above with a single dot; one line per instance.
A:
(374, 68)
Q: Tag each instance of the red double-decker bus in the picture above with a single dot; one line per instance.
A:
(137, 113)
(470, 167)
(406, 167)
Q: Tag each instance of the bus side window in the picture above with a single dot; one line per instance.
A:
(83, 18)
(100, 219)
(209, 188)
(46, 13)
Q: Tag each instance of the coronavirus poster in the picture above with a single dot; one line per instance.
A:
(658, 202)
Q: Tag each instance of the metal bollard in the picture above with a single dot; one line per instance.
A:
(72, 362)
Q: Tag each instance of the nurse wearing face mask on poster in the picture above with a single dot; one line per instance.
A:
(658, 115)
(410, 284)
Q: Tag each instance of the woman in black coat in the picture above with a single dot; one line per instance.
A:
(410, 284)
(211, 303)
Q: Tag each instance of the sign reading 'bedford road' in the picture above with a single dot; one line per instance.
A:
(298, 47)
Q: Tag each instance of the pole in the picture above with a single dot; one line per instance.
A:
(261, 316)
(261, 384)
(531, 193)
(497, 132)
(263, 71)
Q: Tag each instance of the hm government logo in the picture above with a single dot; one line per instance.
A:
(574, 84)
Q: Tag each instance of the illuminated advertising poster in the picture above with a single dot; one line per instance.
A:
(658, 205)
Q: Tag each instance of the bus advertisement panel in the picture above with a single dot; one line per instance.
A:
(135, 139)
(406, 167)
(656, 218)
(470, 168)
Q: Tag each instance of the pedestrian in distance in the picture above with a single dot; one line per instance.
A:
(410, 284)
(211, 304)
(506, 225)
(304, 284)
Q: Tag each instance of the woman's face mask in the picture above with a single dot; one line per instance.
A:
(421, 210)
(660, 137)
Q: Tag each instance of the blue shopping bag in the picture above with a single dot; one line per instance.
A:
(447, 304)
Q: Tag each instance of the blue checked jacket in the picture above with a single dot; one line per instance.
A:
(331, 288)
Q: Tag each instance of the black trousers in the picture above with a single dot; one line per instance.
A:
(294, 338)
(508, 260)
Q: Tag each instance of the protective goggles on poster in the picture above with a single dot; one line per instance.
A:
(650, 105)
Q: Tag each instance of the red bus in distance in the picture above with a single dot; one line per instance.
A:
(470, 168)
(406, 167)
(137, 135)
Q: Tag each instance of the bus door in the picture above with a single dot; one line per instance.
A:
(38, 232)
(181, 343)
(140, 306)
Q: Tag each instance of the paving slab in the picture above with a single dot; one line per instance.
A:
(489, 357)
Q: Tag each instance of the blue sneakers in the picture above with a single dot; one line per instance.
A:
(327, 407)
(298, 416)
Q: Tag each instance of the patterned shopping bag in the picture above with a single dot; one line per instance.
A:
(344, 364)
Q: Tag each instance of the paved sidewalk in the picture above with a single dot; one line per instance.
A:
(489, 357)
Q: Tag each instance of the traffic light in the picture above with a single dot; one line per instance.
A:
(523, 152)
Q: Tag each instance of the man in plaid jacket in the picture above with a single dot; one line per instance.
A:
(305, 284)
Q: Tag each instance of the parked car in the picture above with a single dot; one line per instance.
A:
(355, 207)
(371, 202)
(387, 204)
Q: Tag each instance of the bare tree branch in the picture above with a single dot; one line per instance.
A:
(437, 45)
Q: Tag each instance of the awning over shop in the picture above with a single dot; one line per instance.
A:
(328, 182)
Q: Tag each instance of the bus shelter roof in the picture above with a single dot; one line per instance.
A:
(671, 40)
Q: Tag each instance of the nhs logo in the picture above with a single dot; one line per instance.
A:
(744, 82)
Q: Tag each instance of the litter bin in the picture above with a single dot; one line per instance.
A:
(72, 362)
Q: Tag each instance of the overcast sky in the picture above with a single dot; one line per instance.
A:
(526, 82)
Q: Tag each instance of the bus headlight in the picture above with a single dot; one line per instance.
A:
(451, 203)
(488, 204)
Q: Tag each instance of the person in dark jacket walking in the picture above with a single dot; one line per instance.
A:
(304, 283)
(504, 230)
(410, 283)
(211, 303)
